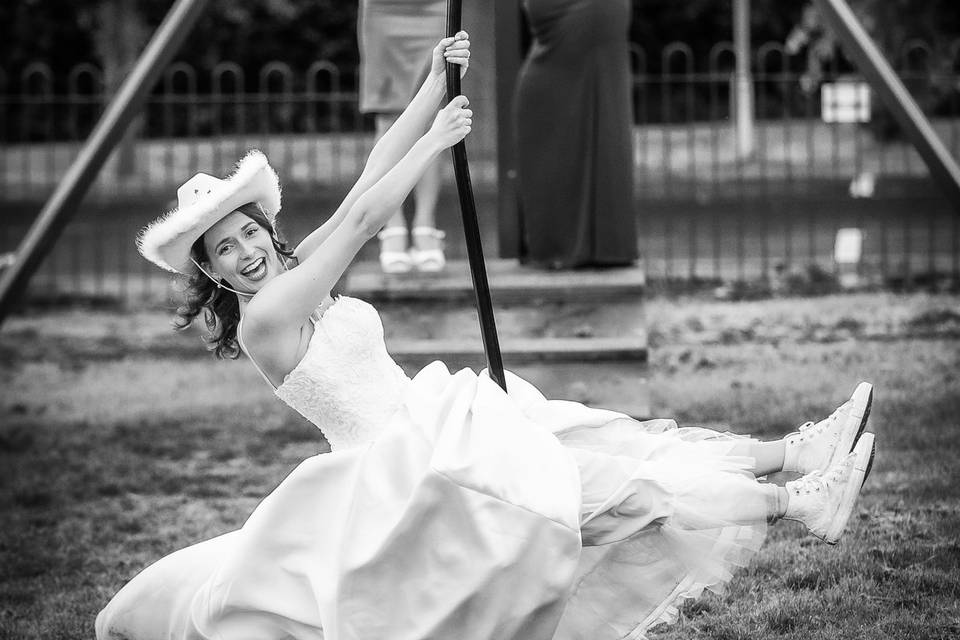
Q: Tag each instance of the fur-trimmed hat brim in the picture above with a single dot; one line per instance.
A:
(201, 202)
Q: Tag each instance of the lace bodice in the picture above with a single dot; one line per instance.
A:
(346, 384)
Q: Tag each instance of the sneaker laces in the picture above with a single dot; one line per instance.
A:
(817, 481)
(813, 482)
(814, 428)
(837, 471)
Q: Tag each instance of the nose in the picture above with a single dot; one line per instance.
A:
(246, 248)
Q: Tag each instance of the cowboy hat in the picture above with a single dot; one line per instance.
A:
(201, 202)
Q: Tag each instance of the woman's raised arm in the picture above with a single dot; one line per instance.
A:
(287, 300)
(400, 138)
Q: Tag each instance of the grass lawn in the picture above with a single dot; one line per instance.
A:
(121, 442)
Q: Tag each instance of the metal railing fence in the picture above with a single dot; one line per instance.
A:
(707, 211)
(685, 140)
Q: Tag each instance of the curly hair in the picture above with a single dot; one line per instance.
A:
(221, 310)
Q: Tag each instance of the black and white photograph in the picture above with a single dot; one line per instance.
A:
(463, 320)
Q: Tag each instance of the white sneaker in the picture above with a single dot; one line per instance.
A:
(821, 445)
(823, 500)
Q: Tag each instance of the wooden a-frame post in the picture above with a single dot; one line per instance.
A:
(70, 191)
(882, 78)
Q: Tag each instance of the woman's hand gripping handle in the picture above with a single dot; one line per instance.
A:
(452, 123)
(455, 50)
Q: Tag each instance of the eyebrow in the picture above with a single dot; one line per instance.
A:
(242, 229)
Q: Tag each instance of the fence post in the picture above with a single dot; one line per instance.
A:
(77, 99)
(184, 103)
(4, 105)
(32, 103)
(217, 74)
(743, 102)
(269, 110)
(333, 106)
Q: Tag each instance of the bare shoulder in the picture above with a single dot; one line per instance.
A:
(273, 342)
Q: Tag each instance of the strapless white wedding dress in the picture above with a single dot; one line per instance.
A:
(450, 509)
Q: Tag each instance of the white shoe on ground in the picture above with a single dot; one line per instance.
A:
(393, 261)
(821, 445)
(429, 260)
(823, 500)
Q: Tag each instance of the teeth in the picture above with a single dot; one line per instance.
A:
(253, 267)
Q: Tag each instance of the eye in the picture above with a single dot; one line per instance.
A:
(223, 249)
(252, 231)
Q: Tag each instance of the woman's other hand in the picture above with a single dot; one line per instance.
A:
(452, 123)
(455, 50)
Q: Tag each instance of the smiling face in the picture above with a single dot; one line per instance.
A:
(241, 252)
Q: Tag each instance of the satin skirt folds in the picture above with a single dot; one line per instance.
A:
(476, 515)
(461, 521)
(666, 514)
(655, 538)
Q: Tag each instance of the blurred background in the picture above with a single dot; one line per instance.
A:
(757, 189)
(739, 177)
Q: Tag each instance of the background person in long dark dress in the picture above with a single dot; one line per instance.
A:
(573, 117)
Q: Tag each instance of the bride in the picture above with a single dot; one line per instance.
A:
(447, 508)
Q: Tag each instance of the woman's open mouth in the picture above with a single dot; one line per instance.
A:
(255, 270)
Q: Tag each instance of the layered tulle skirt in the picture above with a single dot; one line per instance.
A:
(475, 515)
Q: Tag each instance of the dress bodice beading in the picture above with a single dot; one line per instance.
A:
(346, 384)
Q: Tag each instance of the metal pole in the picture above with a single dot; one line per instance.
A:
(61, 206)
(895, 96)
(471, 229)
(743, 100)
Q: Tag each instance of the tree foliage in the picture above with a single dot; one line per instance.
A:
(298, 32)
(894, 25)
(249, 32)
(919, 38)
(703, 23)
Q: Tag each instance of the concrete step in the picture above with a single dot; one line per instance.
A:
(510, 283)
(575, 335)
(582, 351)
(436, 320)
(618, 386)
(469, 352)
(549, 332)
